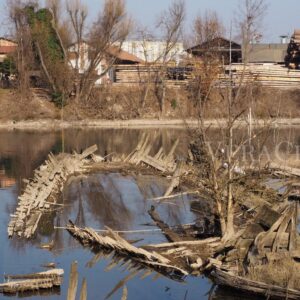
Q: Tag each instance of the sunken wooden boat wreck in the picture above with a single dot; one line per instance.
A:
(268, 236)
(41, 194)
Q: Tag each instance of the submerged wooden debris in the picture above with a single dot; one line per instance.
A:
(73, 284)
(114, 242)
(267, 234)
(41, 192)
(250, 286)
(285, 170)
(32, 282)
(160, 161)
(271, 237)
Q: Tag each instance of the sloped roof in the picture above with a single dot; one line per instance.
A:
(7, 49)
(216, 44)
(123, 55)
(7, 40)
(112, 51)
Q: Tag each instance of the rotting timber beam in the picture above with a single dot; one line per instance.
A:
(114, 242)
(228, 279)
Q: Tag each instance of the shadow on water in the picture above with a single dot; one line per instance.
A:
(101, 199)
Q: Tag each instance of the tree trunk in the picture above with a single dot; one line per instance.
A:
(51, 81)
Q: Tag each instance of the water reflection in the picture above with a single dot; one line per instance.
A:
(224, 293)
(5, 180)
(116, 201)
(120, 202)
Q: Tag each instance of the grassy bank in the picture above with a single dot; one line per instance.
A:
(115, 103)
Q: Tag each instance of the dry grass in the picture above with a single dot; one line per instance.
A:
(284, 273)
(124, 102)
(266, 103)
(12, 107)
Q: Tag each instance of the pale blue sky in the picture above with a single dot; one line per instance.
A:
(282, 16)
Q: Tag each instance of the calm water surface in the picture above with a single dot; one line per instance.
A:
(102, 199)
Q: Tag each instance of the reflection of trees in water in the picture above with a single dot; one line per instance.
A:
(80, 217)
(58, 236)
(119, 140)
(98, 196)
(150, 187)
(107, 204)
(21, 152)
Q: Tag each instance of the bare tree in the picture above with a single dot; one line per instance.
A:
(207, 29)
(170, 23)
(249, 24)
(106, 36)
(24, 56)
(59, 24)
(221, 169)
(77, 13)
(56, 7)
(145, 80)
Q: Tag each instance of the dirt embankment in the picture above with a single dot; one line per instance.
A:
(124, 107)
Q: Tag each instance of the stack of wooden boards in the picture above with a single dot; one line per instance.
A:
(293, 51)
(138, 74)
(270, 75)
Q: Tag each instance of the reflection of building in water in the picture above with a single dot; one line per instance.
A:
(6, 181)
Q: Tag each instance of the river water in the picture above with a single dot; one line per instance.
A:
(102, 199)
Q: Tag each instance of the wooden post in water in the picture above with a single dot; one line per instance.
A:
(73, 282)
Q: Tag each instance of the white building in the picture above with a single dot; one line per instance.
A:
(7, 47)
(113, 54)
(153, 51)
(82, 63)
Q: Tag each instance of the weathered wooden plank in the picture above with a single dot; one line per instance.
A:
(266, 216)
(250, 286)
(32, 282)
(73, 282)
